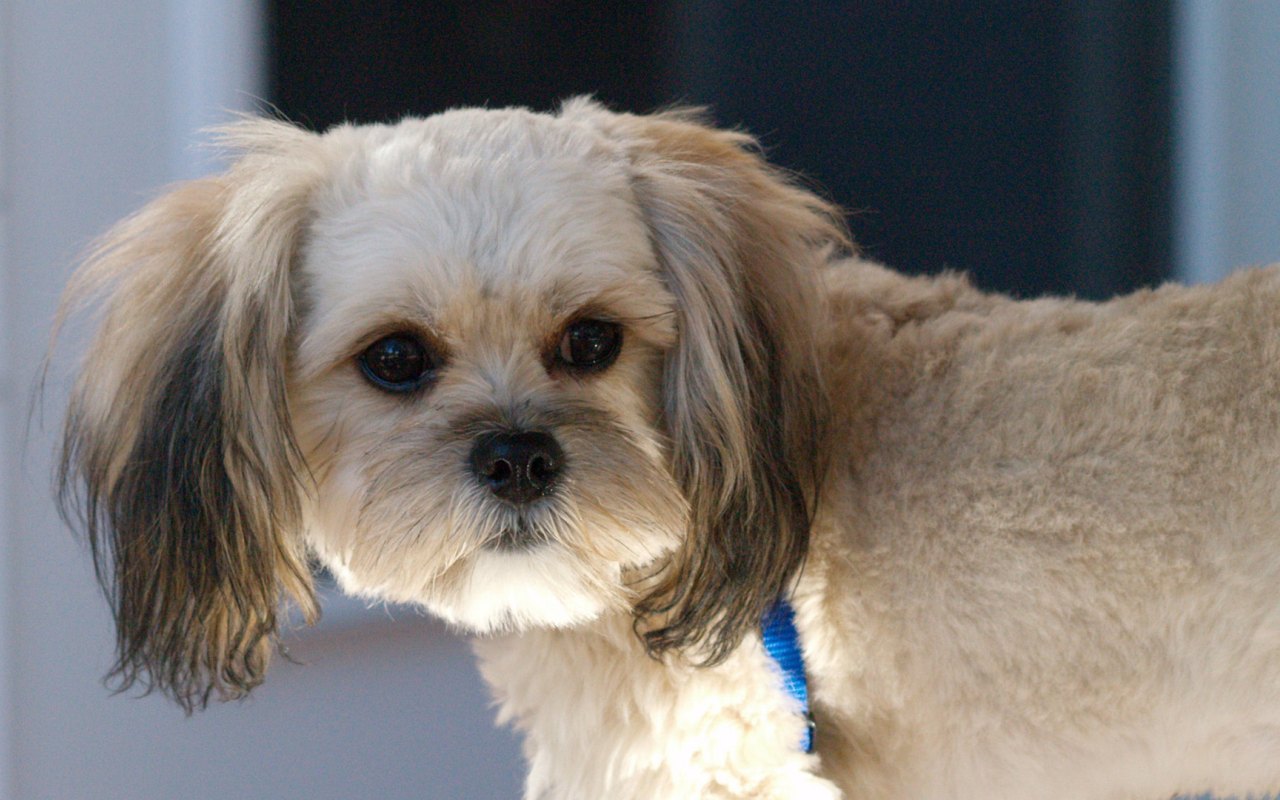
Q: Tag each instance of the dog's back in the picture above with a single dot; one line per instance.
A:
(1049, 549)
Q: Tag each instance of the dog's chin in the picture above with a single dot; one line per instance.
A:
(511, 589)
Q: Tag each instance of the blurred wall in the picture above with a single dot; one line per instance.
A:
(100, 102)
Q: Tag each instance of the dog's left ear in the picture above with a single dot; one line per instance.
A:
(740, 246)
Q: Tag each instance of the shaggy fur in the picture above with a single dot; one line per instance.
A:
(1031, 545)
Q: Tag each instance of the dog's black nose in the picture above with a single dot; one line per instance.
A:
(518, 467)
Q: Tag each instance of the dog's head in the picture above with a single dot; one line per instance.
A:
(519, 369)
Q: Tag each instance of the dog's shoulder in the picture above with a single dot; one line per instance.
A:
(864, 292)
(880, 327)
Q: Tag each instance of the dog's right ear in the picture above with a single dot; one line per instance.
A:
(177, 456)
(739, 245)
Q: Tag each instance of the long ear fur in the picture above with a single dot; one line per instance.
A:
(741, 246)
(177, 455)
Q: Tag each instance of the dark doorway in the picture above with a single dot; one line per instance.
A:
(1025, 144)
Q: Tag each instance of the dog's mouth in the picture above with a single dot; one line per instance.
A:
(517, 538)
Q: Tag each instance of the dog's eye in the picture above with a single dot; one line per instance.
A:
(590, 344)
(397, 363)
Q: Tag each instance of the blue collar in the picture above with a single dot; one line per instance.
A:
(778, 627)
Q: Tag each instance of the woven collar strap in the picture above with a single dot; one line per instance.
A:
(781, 642)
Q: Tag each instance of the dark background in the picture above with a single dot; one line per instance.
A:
(1024, 143)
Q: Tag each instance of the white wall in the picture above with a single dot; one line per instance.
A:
(1227, 136)
(8, 412)
(98, 99)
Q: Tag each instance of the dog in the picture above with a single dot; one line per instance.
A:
(603, 389)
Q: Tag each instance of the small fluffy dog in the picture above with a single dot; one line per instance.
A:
(600, 388)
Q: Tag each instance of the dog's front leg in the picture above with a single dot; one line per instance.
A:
(603, 719)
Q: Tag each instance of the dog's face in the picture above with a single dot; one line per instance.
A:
(519, 369)
(477, 380)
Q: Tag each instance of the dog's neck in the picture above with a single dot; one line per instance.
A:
(603, 719)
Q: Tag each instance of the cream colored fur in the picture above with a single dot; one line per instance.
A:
(1033, 547)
